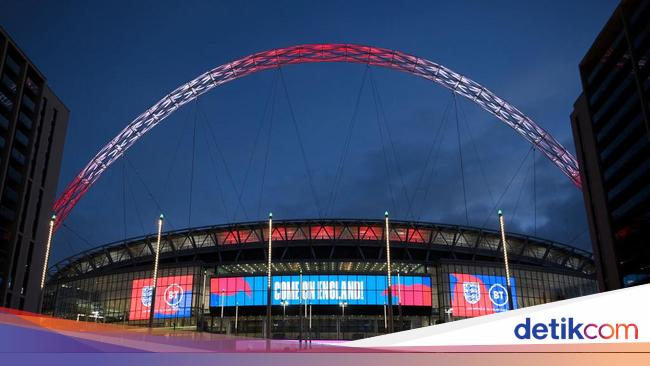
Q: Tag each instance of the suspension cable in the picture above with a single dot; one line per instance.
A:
(65, 240)
(478, 156)
(346, 146)
(432, 147)
(84, 240)
(189, 210)
(124, 197)
(487, 218)
(534, 194)
(135, 204)
(146, 187)
(302, 147)
(273, 96)
(521, 191)
(460, 153)
(181, 137)
(383, 149)
(225, 164)
(216, 176)
(442, 130)
(390, 140)
(577, 236)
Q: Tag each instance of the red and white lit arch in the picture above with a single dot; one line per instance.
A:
(313, 53)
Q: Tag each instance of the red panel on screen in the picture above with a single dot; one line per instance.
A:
(166, 287)
(476, 305)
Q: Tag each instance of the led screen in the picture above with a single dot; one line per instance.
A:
(474, 295)
(320, 290)
(173, 298)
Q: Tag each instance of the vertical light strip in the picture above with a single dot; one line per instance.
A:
(157, 257)
(269, 261)
(505, 248)
(387, 249)
(47, 250)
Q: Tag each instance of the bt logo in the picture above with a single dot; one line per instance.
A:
(498, 294)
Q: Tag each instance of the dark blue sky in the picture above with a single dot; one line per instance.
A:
(109, 61)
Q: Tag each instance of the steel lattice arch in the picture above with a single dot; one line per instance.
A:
(333, 242)
(313, 53)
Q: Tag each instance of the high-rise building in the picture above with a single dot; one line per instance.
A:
(611, 129)
(33, 123)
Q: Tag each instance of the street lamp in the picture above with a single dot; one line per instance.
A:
(343, 305)
(223, 297)
(284, 307)
(449, 311)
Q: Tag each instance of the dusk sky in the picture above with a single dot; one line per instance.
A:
(109, 61)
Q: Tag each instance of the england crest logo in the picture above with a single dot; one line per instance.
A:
(471, 291)
(147, 294)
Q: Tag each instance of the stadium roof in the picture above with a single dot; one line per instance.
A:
(322, 240)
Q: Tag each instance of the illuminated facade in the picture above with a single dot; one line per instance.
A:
(327, 273)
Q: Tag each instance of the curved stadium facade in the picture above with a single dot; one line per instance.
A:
(328, 278)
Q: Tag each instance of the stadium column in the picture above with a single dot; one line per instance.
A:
(505, 258)
(388, 269)
(269, 322)
(155, 272)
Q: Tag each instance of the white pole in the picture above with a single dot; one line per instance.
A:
(269, 323)
(236, 315)
(157, 257)
(385, 319)
(202, 299)
(268, 266)
(505, 258)
(388, 272)
(399, 290)
(154, 281)
(222, 299)
(47, 250)
(300, 288)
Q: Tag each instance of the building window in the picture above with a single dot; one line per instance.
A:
(10, 84)
(22, 138)
(6, 102)
(18, 156)
(14, 175)
(7, 213)
(26, 121)
(10, 194)
(4, 122)
(12, 65)
(29, 103)
(31, 85)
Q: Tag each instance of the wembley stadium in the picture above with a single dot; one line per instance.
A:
(328, 278)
